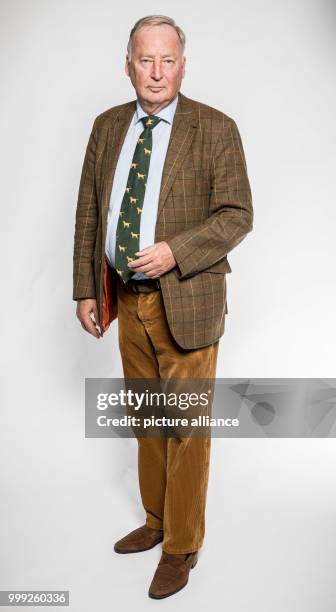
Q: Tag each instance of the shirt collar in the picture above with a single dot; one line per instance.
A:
(167, 113)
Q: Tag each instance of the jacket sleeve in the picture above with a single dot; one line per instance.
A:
(86, 225)
(231, 212)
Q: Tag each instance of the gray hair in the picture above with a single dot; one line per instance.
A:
(152, 20)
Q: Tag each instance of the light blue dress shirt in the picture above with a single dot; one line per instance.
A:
(160, 140)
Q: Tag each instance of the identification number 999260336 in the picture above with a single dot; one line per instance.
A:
(34, 598)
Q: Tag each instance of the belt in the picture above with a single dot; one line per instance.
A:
(141, 285)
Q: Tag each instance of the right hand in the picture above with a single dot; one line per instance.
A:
(85, 308)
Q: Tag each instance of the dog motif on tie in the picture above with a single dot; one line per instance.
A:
(128, 242)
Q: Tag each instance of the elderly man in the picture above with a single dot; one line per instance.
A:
(164, 196)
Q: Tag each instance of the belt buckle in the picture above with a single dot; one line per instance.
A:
(156, 283)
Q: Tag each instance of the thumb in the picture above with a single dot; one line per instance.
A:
(95, 313)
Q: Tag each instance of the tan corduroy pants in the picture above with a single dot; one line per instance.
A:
(173, 473)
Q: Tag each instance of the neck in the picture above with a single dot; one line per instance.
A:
(152, 108)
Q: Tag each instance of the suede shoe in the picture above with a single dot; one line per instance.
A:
(172, 574)
(142, 538)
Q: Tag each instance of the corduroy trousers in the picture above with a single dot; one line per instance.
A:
(173, 473)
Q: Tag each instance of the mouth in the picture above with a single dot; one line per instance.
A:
(155, 88)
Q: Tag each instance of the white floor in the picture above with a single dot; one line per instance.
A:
(270, 538)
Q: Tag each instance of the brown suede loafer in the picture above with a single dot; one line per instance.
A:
(142, 538)
(172, 574)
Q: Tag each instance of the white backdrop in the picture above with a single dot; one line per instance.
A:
(270, 537)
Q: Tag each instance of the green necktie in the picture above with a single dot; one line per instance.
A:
(128, 229)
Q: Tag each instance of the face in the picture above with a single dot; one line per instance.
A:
(156, 67)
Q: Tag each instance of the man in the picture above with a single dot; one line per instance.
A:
(164, 196)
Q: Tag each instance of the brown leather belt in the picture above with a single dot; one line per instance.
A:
(141, 286)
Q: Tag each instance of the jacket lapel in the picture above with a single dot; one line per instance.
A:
(181, 137)
(115, 139)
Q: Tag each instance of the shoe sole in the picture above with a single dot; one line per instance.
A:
(172, 592)
(129, 552)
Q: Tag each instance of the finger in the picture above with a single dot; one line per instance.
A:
(90, 327)
(146, 250)
(145, 266)
(144, 256)
(95, 314)
(149, 270)
(140, 262)
(96, 326)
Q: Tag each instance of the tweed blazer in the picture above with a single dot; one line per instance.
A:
(204, 211)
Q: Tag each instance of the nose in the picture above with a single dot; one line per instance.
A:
(156, 70)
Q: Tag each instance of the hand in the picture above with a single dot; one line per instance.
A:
(85, 308)
(154, 260)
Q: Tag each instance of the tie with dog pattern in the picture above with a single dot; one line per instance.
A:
(128, 229)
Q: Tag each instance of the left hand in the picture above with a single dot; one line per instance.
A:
(154, 260)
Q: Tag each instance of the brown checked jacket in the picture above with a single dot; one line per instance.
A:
(205, 210)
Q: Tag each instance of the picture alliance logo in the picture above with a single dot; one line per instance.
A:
(137, 401)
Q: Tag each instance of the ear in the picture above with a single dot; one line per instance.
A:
(183, 66)
(127, 66)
